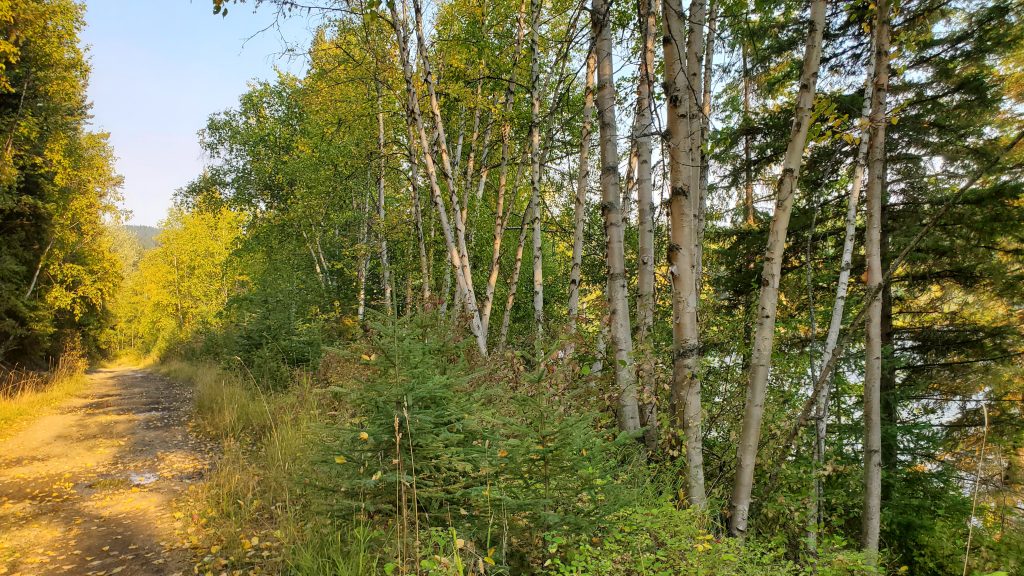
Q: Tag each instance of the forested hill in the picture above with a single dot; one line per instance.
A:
(569, 287)
(146, 235)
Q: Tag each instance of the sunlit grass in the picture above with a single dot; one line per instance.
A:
(252, 507)
(27, 395)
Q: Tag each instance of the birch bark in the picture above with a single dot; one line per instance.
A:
(871, 516)
(514, 283)
(414, 177)
(500, 215)
(764, 333)
(463, 275)
(467, 294)
(582, 184)
(821, 399)
(643, 127)
(681, 98)
(385, 264)
(618, 305)
(535, 175)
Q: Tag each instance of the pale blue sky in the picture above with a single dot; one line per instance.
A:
(159, 68)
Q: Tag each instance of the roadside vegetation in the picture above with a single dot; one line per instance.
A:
(25, 394)
(398, 452)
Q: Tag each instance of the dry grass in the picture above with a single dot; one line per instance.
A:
(25, 394)
(257, 491)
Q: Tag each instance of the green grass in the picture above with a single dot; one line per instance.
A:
(226, 407)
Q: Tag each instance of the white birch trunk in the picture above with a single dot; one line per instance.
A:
(643, 127)
(618, 305)
(312, 253)
(463, 275)
(385, 264)
(821, 399)
(684, 173)
(705, 161)
(471, 160)
(510, 300)
(468, 294)
(761, 355)
(414, 177)
(364, 262)
(39, 268)
(500, 214)
(538, 254)
(871, 517)
(582, 185)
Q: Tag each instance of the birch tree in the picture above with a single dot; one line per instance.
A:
(382, 240)
(764, 333)
(611, 208)
(463, 274)
(643, 127)
(582, 186)
(535, 162)
(821, 398)
(683, 127)
(871, 516)
(501, 215)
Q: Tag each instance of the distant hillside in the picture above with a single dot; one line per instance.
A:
(146, 235)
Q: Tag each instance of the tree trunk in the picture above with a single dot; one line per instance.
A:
(414, 177)
(538, 253)
(312, 253)
(827, 370)
(684, 174)
(364, 262)
(323, 260)
(39, 268)
(385, 264)
(582, 185)
(468, 294)
(701, 153)
(618, 305)
(643, 127)
(748, 177)
(871, 517)
(484, 168)
(456, 247)
(500, 214)
(764, 333)
(514, 282)
(467, 182)
(821, 399)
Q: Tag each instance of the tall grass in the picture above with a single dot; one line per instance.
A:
(25, 394)
(256, 508)
(225, 406)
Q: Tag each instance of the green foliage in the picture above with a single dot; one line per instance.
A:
(58, 189)
(464, 451)
(505, 450)
(663, 540)
(179, 288)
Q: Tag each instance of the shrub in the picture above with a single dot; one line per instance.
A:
(663, 540)
(437, 443)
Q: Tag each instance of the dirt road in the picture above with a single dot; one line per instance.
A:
(90, 488)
